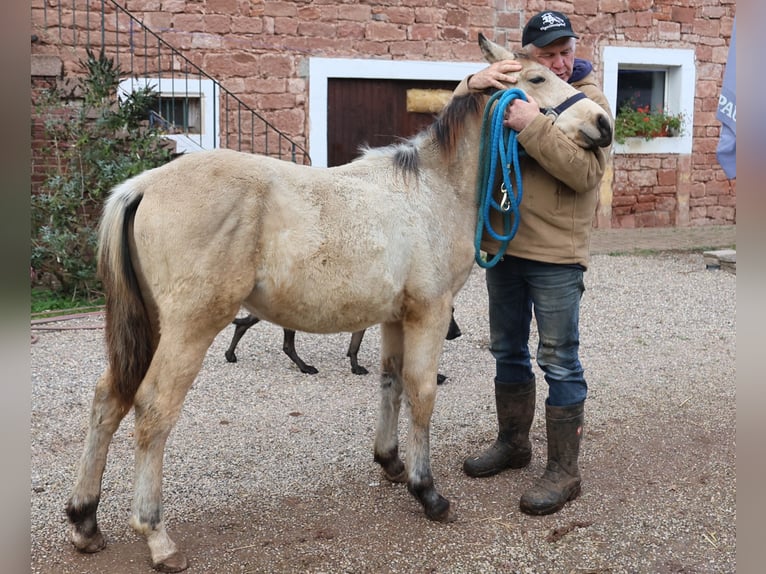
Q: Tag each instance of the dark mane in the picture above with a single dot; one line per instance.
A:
(445, 132)
(448, 126)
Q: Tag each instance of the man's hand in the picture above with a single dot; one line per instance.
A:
(497, 75)
(520, 114)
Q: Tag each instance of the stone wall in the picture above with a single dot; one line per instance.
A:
(260, 51)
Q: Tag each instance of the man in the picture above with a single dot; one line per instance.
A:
(542, 273)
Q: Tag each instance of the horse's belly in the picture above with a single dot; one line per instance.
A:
(322, 311)
(325, 298)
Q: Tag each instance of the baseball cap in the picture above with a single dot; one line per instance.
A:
(546, 27)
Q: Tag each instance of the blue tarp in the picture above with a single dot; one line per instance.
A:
(727, 113)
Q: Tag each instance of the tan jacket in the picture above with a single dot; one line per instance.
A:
(560, 182)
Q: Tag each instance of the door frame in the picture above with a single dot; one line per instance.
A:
(322, 69)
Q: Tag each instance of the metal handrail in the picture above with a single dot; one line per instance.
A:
(143, 54)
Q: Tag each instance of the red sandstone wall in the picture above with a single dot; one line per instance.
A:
(260, 50)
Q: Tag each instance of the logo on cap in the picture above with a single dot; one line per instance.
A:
(551, 21)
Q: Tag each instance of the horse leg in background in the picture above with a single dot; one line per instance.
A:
(386, 448)
(353, 350)
(454, 330)
(242, 325)
(288, 346)
(452, 333)
(106, 413)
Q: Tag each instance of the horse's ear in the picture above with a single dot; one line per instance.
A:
(493, 52)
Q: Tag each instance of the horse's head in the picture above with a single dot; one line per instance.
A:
(582, 119)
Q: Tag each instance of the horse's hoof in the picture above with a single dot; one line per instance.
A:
(437, 507)
(440, 379)
(231, 357)
(176, 562)
(309, 370)
(392, 466)
(440, 511)
(398, 478)
(359, 370)
(395, 472)
(89, 545)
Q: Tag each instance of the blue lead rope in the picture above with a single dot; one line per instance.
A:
(503, 147)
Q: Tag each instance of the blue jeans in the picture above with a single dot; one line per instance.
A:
(517, 288)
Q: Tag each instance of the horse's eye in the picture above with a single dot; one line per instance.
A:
(536, 80)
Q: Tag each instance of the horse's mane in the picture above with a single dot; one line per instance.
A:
(448, 126)
(445, 133)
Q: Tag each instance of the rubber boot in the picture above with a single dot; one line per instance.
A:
(560, 482)
(512, 449)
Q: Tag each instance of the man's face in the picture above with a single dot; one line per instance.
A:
(557, 56)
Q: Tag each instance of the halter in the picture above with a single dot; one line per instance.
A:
(566, 104)
(502, 144)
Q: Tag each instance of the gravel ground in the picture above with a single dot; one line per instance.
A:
(270, 470)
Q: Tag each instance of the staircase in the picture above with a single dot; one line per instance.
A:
(195, 109)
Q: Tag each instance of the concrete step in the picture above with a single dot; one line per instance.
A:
(724, 259)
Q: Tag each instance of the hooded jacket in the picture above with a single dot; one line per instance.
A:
(560, 183)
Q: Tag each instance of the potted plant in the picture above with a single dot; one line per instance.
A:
(646, 123)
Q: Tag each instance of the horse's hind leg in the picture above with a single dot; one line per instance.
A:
(158, 404)
(386, 435)
(242, 324)
(353, 351)
(106, 413)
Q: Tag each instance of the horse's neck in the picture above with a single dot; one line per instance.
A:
(462, 166)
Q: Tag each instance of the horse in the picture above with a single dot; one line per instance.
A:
(242, 324)
(184, 246)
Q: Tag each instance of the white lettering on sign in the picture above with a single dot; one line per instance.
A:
(727, 107)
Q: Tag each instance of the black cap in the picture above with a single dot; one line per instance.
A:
(547, 27)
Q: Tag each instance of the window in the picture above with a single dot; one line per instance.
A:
(659, 78)
(179, 114)
(322, 69)
(187, 110)
(640, 88)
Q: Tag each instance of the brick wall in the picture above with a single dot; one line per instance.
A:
(260, 51)
(40, 163)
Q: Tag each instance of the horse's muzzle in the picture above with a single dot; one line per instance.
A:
(604, 133)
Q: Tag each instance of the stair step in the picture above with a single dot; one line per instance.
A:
(724, 259)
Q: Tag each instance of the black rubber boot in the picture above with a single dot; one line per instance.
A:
(560, 482)
(512, 449)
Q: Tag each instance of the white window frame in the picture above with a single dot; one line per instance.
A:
(679, 92)
(322, 69)
(204, 89)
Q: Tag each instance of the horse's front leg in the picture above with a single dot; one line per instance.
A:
(422, 394)
(106, 413)
(423, 340)
(387, 432)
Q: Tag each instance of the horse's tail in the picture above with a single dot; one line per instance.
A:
(130, 338)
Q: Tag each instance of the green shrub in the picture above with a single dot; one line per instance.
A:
(93, 145)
